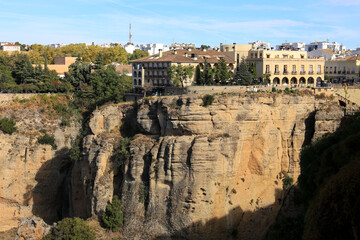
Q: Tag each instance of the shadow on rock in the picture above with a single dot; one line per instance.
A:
(50, 195)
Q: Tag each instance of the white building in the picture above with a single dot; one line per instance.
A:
(182, 45)
(296, 46)
(334, 46)
(10, 47)
(328, 54)
(57, 45)
(260, 45)
(153, 48)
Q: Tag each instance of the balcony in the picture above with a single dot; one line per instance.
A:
(327, 72)
(276, 73)
(339, 72)
(302, 73)
(294, 72)
(286, 73)
(311, 72)
(319, 72)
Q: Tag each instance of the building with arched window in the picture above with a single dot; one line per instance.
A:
(152, 71)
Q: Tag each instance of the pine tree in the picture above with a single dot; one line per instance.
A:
(222, 72)
(243, 76)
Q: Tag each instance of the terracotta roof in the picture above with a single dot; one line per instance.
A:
(10, 45)
(349, 58)
(212, 56)
(123, 68)
(329, 51)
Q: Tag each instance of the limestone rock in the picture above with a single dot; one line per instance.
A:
(32, 228)
(199, 172)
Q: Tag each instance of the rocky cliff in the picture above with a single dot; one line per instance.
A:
(33, 175)
(198, 172)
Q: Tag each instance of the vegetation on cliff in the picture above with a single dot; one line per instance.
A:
(112, 218)
(71, 228)
(8, 125)
(328, 188)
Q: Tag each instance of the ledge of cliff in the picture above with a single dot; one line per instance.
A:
(198, 172)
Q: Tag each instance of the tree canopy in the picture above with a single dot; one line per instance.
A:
(180, 73)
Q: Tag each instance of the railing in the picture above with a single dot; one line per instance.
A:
(286, 73)
(302, 73)
(276, 73)
(319, 72)
(311, 72)
(294, 72)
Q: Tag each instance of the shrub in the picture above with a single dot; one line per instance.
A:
(112, 218)
(287, 90)
(7, 125)
(47, 139)
(122, 153)
(207, 100)
(287, 182)
(273, 89)
(71, 228)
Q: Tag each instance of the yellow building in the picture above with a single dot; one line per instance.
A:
(152, 71)
(236, 51)
(343, 69)
(61, 65)
(286, 67)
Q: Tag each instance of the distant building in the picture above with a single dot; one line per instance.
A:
(260, 45)
(152, 71)
(153, 48)
(123, 68)
(57, 45)
(296, 46)
(61, 65)
(10, 47)
(328, 54)
(334, 46)
(344, 69)
(182, 46)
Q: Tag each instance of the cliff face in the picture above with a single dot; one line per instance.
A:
(32, 175)
(199, 172)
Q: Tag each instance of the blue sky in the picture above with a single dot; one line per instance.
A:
(208, 22)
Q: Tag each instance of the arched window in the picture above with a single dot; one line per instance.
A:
(135, 74)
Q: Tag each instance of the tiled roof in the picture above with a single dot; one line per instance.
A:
(11, 45)
(212, 56)
(349, 58)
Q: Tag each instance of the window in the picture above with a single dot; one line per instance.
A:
(302, 68)
(319, 69)
(135, 82)
(139, 75)
(330, 70)
(260, 55)
(135, 74)
(285, 56)
(276, 68)
(267, 69)
(310, 68)
(326, 69)
(334, 69)
(294, 68)
(285, 69)
(267, 55)
(302, 56)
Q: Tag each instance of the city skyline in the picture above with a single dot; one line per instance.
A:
(105, 21)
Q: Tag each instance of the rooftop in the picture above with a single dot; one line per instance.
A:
(186, 56)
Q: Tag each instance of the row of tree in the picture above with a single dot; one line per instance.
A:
(39, 54)
(218, 75)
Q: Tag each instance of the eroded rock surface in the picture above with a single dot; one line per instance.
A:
(199, 172)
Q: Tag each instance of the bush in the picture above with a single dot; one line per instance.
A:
(112, 218)
(71, 228)
(207, 100)
(287, 182)
(7, 125)
(287, 90)
(47, 139)
(122, 153)
(273, 89)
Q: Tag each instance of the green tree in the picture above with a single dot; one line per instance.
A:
(23, 70)
(71, 229)
(180, 73)
(138, 54)
(222, 72)
(112, 218)
(198, 77)
(242, 75)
